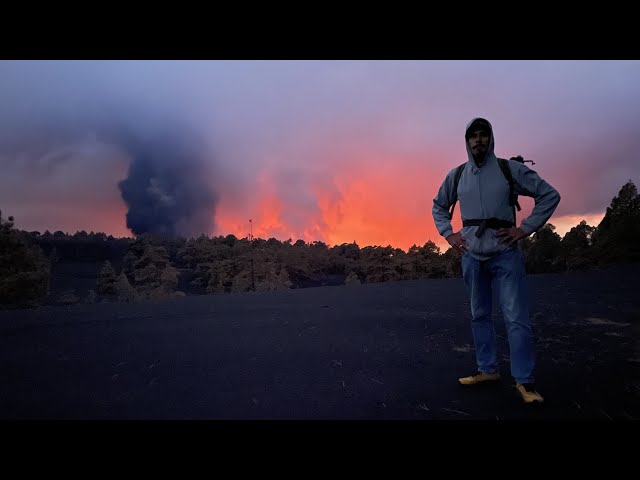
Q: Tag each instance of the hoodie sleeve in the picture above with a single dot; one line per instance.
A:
(441, 205)
(528, 183)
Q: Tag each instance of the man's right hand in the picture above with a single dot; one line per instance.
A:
(457, 241)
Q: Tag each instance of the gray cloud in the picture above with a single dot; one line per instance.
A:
(191, 133)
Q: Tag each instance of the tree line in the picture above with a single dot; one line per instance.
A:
(149, 267)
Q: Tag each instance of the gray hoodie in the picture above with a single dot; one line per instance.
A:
(483, 192)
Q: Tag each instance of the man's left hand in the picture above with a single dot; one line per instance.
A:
(511, 235)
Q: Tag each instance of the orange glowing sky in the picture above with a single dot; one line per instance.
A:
(371, 198)
(361, 211)
(334, 151)
(386, 205)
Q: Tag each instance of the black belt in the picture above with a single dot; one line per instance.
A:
(487, 223)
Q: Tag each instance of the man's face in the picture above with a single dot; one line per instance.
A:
(478, 140)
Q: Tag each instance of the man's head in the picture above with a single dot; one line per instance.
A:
(478, 137)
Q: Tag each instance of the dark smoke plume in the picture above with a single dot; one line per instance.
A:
(166, 189)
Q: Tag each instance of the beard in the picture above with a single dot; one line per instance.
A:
(479, 152)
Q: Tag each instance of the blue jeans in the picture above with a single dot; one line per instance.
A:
(506, 273)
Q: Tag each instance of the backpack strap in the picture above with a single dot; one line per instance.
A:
(456, 181)
(513, 198)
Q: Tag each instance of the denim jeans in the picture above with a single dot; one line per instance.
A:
(506, 273)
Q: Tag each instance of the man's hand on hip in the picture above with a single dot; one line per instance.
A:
(457, 241)
(511, 235)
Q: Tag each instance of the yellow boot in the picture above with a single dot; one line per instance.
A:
(479, 377)
(528, 393)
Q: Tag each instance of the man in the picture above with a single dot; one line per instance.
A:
(490, 254)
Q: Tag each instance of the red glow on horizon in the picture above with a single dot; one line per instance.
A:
(388, 204)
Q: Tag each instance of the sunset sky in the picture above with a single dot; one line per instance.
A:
(334, 151)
